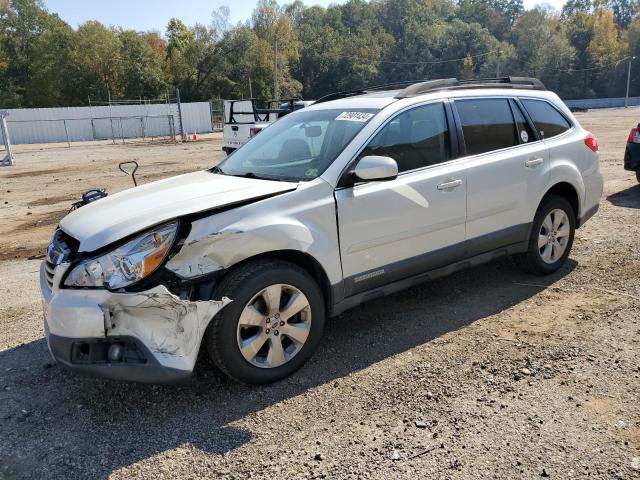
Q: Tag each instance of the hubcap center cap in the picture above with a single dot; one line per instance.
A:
(273, 325)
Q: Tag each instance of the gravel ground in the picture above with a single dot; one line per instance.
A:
(489, 373)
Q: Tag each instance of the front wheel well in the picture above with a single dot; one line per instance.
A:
(568, 192)
(301, 259)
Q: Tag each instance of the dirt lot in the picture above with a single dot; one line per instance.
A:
(489, 373)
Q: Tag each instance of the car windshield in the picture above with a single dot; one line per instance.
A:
(298, 147)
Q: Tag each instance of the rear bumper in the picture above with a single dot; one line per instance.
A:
(632, 157)
(587, 215)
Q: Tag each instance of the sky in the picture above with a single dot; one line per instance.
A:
(155, 14)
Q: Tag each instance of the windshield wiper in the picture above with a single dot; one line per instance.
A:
(257, 177)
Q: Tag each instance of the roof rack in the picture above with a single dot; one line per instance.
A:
(419, 87)
(453, 83)
(362, 91)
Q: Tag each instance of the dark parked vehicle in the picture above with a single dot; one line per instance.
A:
(632, 152)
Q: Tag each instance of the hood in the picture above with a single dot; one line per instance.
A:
(116, 216)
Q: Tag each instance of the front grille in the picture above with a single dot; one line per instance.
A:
(49, 272)
(62, 248)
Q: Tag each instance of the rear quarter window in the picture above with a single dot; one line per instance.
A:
(549, 121)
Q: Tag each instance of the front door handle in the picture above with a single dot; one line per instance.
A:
(450, 184)
(533, 162)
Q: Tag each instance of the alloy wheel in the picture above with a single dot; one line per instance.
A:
(274, 326)
(553, 237)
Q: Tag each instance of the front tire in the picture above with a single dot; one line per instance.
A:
(273, 324)
(551, 237)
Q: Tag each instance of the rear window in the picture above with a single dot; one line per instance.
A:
(487, 124)
(546, 118)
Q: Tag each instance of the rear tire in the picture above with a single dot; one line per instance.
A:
(552, 234)
(257, 338)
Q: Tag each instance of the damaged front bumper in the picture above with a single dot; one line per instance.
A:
(152, 336)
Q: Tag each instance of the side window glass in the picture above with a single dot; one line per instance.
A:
(546, 118)
(416, 138)
(487, 124)
(523, 129)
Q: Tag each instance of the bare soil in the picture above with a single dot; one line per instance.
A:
(489, 373)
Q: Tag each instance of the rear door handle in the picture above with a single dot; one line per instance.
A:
(449, 184)
(533, 162)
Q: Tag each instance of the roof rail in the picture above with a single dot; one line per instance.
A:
(338, 95)
(453, 83)
(419, 87)
(363, 90)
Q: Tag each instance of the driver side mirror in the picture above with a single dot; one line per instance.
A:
(374, 167)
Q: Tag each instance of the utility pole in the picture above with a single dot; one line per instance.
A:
(182, 135)
(7, 161)
(113, 133)
(250, 89)
(626, 98)
(275, 73)
(498, 66)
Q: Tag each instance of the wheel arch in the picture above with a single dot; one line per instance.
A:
(303, 260)
(567, 191)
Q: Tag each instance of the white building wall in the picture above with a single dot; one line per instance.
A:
(49, 125)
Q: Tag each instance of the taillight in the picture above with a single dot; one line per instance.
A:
(254, 131)
(591, 141)
(634, 136)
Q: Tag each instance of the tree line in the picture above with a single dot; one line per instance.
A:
(580, 52)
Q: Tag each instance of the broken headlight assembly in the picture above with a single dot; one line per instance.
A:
(128, 263)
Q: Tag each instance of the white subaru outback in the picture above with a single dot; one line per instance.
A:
(358, 196)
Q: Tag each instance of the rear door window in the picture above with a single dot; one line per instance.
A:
(487, 124)
(549, 121)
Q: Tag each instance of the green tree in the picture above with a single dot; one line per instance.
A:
(21, 24)
(97, 58)
(272, 26)
(606, 51)
(44, 62)
(52, 69)
(497, 16)
(179, 39)
(623, 11)
(543, 49)
(143, 73)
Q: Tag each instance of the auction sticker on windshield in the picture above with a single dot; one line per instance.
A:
(354, 116)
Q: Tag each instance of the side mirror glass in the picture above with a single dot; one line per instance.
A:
(374, 167)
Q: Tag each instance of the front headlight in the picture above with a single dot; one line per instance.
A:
(126, 264)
